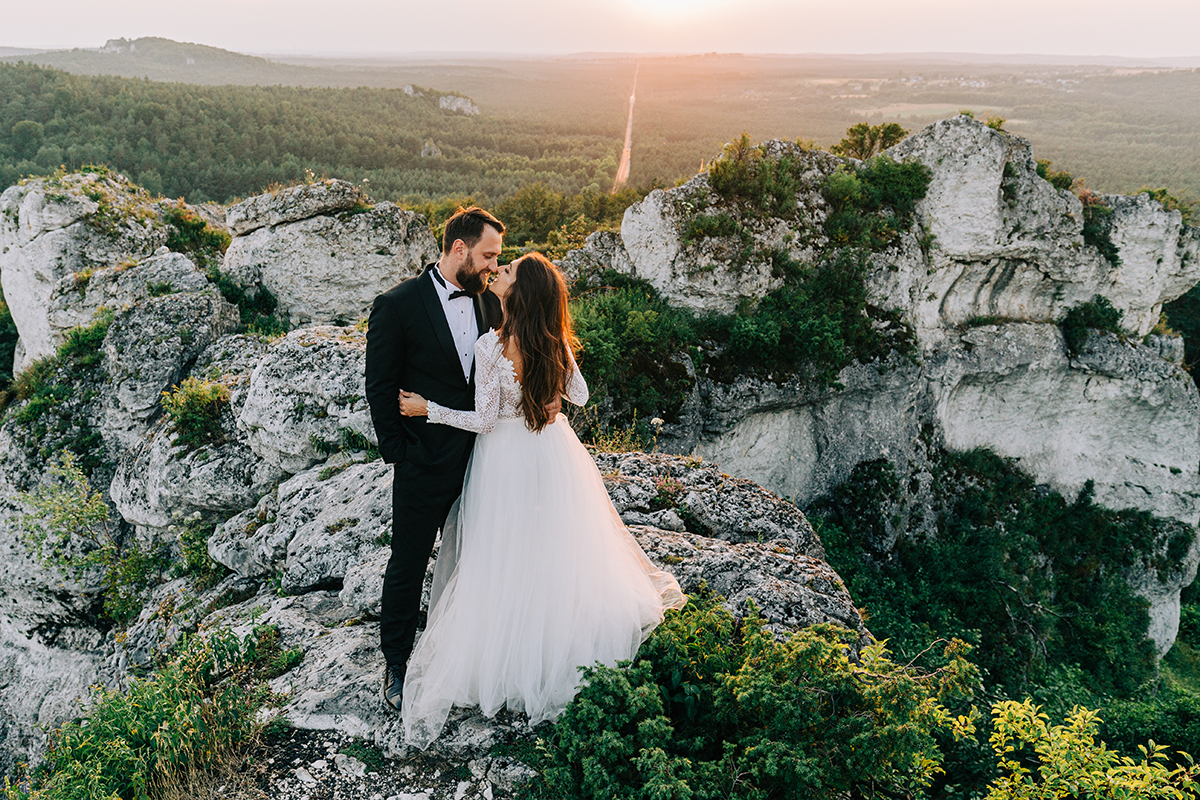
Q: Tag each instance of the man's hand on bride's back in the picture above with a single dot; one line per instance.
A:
(555, 407)
(413, 405)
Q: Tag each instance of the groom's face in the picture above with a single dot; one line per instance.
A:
(480, 262)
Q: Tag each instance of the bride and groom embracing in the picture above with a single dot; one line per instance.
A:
(536, 575)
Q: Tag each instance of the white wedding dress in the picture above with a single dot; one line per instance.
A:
(536, 575)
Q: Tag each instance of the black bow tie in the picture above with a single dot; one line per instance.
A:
(457, 293)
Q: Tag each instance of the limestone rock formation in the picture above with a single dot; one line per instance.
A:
(693, 271)
(53, 229)
(74, 301)
(293, 204)
(323, 251)
(650, 489)
(993, 260)
(336, 686)
(458, 104)
(150, 348)
(995, 257)
(158, 482)
(330, 524)
(306, 396)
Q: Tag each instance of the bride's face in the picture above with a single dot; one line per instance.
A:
(504, 280)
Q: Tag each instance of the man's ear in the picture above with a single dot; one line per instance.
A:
(459, 248)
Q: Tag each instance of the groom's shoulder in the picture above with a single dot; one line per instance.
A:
(404, 290)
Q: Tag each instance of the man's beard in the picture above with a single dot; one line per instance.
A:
(470, 279)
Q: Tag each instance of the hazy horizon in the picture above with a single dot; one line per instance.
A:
(1023, 28)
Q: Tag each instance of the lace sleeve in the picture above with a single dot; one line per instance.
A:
(487, 392)
(577, 388)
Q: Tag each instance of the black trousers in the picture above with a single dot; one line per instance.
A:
(420, 503)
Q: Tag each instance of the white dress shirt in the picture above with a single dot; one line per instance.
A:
(460, 315)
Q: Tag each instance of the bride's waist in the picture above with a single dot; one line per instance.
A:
(520, 418)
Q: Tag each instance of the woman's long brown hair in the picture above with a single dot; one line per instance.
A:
(535, 312)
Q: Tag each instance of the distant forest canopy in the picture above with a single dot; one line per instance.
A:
(218, 143)
(561, 120)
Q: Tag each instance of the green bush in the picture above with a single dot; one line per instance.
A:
(1060, 180)
(1039, 761)
(864, 140)
(69, 529)
(1097, 226)
(194, 408)
(704, 226)
(871, 204)
(1170, 202)
(719, 708)
(349, 441)
(197, 563)
(183, 717)
(8, 344)
(55, 391)
(1097, 314)
(190, 234)
(763, 186)
(630, 339)
(1033, 581)
(257, 310)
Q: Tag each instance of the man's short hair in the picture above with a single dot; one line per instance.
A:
(468, 224)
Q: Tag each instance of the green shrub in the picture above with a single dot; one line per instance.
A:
(349, 441)
(183, 717)
(194, 408)
(1097, 226)
(196, 562)
(69, 529)
(1063, 181)
(1033, 581)
(8, 345)
(864, 140)
(871, 204)
(705, 226)
(630, 338)
(191, 235)
(1038, 760)
(763, 186)
(56, 391)
(1097, 314)
(257, 310)
(1170, 202)
(718, 708)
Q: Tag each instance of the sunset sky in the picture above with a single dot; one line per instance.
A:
(1069, 27)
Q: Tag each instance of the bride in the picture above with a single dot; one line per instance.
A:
(537, 575)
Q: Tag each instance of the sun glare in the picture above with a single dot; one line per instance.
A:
(676, 8)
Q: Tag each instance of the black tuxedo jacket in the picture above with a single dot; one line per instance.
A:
(409, 346)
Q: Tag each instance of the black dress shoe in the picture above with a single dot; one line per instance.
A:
(393, 685)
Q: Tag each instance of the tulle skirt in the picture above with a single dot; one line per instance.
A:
(536, 577)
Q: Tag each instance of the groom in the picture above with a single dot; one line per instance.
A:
(421, 338)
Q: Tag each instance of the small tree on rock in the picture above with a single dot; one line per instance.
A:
(863, 141)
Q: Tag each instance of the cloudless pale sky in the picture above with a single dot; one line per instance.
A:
(1068, 27)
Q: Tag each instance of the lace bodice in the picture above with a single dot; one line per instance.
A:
(497, 391)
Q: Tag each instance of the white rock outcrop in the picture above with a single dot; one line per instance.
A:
(306, 395)
(56, 229)
(158, 482)
(992, 243)
(293, 204)
(150, 348)
(325, 262)
(458, 104)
